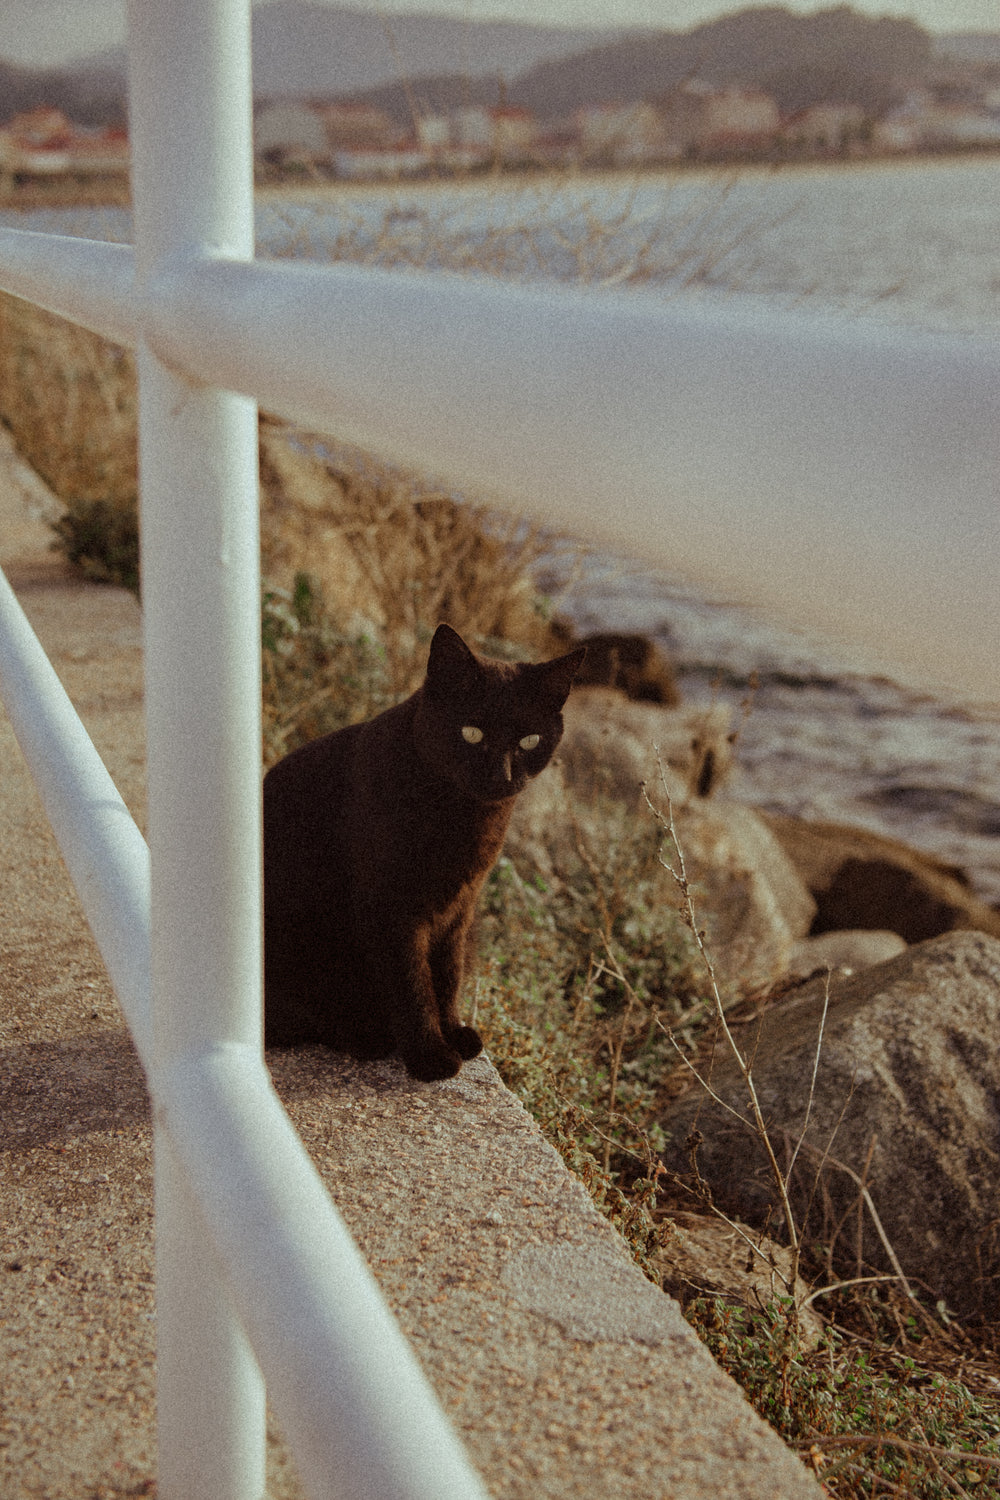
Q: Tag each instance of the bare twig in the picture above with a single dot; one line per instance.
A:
(812, 1081)
(678, 874)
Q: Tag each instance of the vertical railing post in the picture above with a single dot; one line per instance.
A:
(190, 104)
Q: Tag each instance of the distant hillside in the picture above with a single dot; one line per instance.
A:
(969, 46)
(304, 49)
(835, 55)
(308, 49)
(92, 95)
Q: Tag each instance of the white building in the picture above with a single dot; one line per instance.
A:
(620, 133)
(701, 120)
(286, 127)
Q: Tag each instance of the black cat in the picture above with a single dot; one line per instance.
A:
(377, 841)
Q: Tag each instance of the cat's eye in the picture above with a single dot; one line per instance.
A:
(529, 742)
(471, 735)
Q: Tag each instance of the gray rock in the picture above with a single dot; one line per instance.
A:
(749, 895)
(857, 948)
(610, 745)
(863, 879)
(906, 1102)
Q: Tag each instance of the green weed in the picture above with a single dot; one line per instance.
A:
(869, 1421)
(574, 975)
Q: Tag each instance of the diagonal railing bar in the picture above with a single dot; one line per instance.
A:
(105, 853)
(329, 1342)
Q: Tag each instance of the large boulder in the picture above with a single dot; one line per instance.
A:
(749, 897)
(863, 879)
(632, 664)
(846, 951)
(612, 745)
(747, 894)
(903, 1118)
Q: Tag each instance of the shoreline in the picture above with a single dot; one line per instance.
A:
(116, 193)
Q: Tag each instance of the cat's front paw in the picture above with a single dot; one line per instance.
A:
(466, 1041)
(432, 1064)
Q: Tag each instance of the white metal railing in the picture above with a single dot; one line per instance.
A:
(811, 456)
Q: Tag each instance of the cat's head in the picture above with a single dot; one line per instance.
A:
(489, 726)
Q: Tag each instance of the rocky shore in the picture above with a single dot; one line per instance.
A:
(783, 901)
(870, 980)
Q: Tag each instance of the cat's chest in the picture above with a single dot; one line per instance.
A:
(441, 848)
(454, 842)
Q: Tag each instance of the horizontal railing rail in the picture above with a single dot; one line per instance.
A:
(840, 473)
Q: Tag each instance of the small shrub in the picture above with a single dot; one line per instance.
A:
(870, 1421)
(573, 976)
(102, 540)
(69, 399)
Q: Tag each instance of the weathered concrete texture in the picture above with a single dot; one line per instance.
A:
(565, 1371)
(904, 1103)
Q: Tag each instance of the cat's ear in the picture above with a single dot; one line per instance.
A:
(555, 678)
(451, 664)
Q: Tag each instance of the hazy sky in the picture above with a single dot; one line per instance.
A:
(40, 32)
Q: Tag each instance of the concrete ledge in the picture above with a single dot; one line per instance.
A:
(566, 1372)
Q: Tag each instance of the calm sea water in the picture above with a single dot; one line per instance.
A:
(828, 734)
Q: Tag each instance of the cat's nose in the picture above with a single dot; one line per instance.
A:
(508, 767)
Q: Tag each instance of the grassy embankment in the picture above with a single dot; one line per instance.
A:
(586, 986)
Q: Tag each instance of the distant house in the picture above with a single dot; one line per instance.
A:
(434, 133)
(504, 134)
(620, 134)
(42, 142)
(287, 130)
(900, 128)
(98, 151)
(43, 128)
(309, 133)
(356, 127)
(472, 127)
(514, 133)
(699, 120)
(824, 129)
(924, 122)
(943, 126)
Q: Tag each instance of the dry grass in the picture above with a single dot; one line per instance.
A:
(362, 562)
(69, 398)
(67, 190)
(400, 551)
